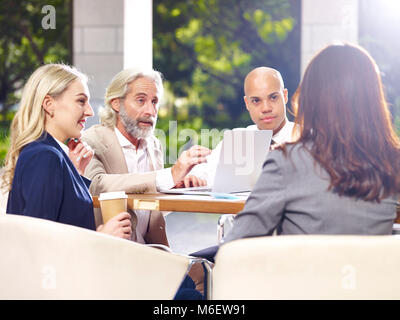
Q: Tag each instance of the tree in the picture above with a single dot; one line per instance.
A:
(26, 43)
(205, 48)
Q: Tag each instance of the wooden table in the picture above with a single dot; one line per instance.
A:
(181, 203)
(187, 203)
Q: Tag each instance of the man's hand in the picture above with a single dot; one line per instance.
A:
(187, 160)
(191, 181)
(80, 154)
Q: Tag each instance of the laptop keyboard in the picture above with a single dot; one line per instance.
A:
(204, 188)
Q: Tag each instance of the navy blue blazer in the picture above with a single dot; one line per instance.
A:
(47, 185)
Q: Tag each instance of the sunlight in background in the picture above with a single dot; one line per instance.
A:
(391, 7)
(389, 28)
(138, 46)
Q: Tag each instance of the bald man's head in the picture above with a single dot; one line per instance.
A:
(266, 98)
(262, 74)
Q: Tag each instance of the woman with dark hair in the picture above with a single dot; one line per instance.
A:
(341, 175)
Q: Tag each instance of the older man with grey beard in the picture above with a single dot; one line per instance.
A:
(128, 156)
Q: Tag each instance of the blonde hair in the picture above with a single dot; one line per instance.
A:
(118, 88)
(29, 121)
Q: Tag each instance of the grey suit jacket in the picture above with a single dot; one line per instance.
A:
(108, 170)
(292, 197)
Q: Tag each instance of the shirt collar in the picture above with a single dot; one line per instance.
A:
(124, 142)
(63, 146)
(283, 135)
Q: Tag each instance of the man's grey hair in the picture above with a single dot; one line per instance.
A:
(118, 88)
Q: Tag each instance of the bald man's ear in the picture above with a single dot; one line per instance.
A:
(285, 92)
(245, 102)
(115, 104)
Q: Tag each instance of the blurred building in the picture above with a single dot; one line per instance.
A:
(324, 21)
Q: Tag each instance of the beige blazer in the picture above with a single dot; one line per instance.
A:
(108, 170)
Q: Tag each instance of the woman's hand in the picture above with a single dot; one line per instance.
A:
(80, 153)
(119, 226)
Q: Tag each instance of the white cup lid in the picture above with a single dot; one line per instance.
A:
(113, 195)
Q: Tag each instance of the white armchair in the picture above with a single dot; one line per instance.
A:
(42, 259)
(308, 267)
(3, 201)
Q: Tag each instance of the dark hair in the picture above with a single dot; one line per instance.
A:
(346, 125)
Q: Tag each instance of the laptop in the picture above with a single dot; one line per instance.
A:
(242, 155)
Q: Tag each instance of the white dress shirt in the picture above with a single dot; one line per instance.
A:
(63, 146)
(283, 135)
(138, 160)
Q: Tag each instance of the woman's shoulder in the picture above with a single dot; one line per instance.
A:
(288, 150)
(38, 161)
(38, 150)
(292, 157)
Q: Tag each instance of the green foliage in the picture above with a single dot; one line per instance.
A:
(396, 117)
(25, 44)
(4, 145)
(397, 125)
(205, 48)
(4, 139)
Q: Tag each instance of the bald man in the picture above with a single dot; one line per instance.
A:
(265, 99)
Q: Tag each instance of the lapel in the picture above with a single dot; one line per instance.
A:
(48, 139)
(112, 152)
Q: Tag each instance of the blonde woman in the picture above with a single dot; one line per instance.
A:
(44, 175)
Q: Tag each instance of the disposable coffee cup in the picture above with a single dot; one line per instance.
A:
(112, 203)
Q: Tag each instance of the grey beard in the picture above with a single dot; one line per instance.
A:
(132, 125)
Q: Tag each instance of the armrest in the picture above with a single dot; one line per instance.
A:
(192, 260)
(160, 246)
(224, 222)
(208, 266)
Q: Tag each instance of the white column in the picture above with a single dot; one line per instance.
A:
(326, 21)
(138, 33)
(109, 36)
(98, 45)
